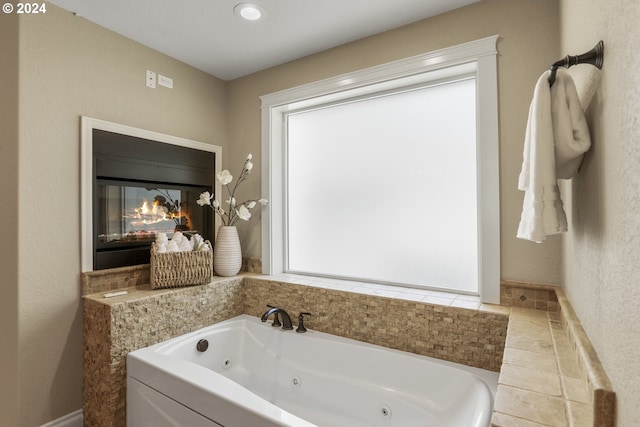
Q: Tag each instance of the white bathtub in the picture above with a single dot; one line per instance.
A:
(254, 375)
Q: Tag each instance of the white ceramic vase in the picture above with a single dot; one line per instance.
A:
(227, 254)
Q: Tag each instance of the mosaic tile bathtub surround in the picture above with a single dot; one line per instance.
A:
(455, 328)
(137, 275)
(114, 279)
(115, 326)
(529, 295)
(468, 336)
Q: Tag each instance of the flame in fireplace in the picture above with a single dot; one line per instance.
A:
(154, 214)
(146, 215)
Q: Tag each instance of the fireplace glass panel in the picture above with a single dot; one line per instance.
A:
(130, 215)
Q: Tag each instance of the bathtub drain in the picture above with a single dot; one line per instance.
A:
(385, 411)
(202, 345)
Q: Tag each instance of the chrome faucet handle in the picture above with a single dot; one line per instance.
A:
(301, 327)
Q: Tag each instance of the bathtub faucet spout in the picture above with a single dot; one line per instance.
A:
(286, 320)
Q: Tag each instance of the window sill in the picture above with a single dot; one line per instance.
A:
(448, 299)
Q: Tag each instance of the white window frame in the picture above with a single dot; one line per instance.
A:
(479, 57)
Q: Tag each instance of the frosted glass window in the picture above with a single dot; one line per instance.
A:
(385, 188)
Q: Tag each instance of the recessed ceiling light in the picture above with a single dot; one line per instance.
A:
(250, 11)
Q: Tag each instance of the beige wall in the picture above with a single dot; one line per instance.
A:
(70, 67)
(528, 44)
(601, 253)
(8, 215)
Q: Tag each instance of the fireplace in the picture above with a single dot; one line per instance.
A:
(130, 214)
(142, 187)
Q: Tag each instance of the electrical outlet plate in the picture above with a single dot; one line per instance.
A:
(165, 81)
(151, 79)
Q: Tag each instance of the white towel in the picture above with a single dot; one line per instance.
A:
(556, 138)
(587, 80)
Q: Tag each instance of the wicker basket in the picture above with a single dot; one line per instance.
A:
(176, 269)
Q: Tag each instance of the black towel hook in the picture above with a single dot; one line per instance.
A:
(594, 57)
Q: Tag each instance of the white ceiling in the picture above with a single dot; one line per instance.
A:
(207, 35)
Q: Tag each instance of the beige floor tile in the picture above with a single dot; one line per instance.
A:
(524, 313)
(531, 406)
(530, 359)
(535, 329)
(580, 415)
(568, 365)
(504, 420)
(524, 342)
(575, 389)
(561, 338)
(531, 379)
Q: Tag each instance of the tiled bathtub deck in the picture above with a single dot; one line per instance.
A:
(550, 375)
(542, 381)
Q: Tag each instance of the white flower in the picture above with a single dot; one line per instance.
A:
(237, 211)
(205, 199)
(243, 213)
(224, 177)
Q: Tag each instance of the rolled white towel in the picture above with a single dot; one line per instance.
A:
(177, 237)
(185, 245)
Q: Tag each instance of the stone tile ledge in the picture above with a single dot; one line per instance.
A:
(122, 278)
(437, 324)
(455, 328)
(603, 396)
(551, 374)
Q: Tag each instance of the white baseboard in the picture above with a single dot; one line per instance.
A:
(73, 419)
